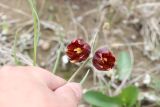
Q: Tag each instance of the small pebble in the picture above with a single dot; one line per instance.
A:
(133, 37)
(147, 79)
(136, 84)
(44, 45)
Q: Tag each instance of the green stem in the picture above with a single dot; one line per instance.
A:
(15, 49)
(35, 43)
(85, 77)
(78, 70)
(58, 54)
(36, 31)
(57, 59)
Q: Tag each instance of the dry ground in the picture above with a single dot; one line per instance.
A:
(80, 18)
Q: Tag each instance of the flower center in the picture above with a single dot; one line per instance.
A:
(103, 59)
(78, 50)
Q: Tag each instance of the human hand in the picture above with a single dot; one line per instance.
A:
(36, 87)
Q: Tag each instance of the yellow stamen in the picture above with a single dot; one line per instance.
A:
(78, 50)
(105, 59)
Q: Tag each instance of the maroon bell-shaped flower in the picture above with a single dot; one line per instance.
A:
(78, 50)
(103, 59)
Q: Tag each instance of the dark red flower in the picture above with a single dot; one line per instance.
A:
(103, 59)
(78, 50)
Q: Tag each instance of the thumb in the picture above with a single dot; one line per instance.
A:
(70, 93)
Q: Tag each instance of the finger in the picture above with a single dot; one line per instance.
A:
(71, 93)
(52, 81)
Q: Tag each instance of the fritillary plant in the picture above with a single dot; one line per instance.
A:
(103, 60)
(79, 50)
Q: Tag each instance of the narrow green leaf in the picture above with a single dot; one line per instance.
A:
(5, 27)
(124, 65)
(78, 70)
(99, 99)
(129, 95)
(58, 56)
(15, 49)
(36, 30)
(85, 77)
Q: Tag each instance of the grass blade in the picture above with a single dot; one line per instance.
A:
(36, 30)
(15, 49)
(58, 56)
(78, 70)
(85, 77)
